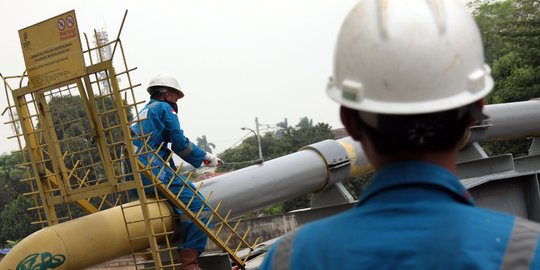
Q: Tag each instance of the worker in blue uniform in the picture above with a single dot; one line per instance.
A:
(410, 78)
(158, 126)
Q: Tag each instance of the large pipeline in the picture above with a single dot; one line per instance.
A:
(509, 121)
(89, 240)
(103, 236)
(305, 172)
(311, 169)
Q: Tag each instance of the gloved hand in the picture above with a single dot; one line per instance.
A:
(212, 160)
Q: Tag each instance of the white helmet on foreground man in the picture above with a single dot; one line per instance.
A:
(388, 62)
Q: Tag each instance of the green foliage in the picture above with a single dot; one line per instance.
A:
(14, 219)
(518, 147)
(11, 244)
(296, 203)
(74, 132)
(305, 123)
(284, 124)
(290, 141)
(77, 136)
(357, 185)
(10, 176)
(203, 143)
(276, 209)
(511, 34)
(282, 127)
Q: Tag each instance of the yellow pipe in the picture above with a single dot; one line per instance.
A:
(89, 240)
(360, 165)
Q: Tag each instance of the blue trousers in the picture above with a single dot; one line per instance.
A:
(194, 238)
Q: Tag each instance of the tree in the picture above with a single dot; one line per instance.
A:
(203, 143)
(10, 176)
(14, 219)
(292, 139)
(305, 123)
(74, 133)
(511, 34)
(272, 147)
(282, 127)
(357, 185)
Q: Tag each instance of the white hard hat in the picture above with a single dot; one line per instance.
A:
(163, 79)
(409, 57)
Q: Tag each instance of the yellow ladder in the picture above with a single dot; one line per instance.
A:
(225, 236)
(161, 248)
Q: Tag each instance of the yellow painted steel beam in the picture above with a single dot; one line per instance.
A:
(151, 232)
(44, 177)
(83, 204)
(90, 104)
(51, 142)
(82, 194)
(36, 157)
(90, 240)
(87, 98)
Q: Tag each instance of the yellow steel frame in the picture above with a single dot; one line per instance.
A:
(75, 145)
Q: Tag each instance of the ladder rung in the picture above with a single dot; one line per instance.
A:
(35, 208)
(38, 222)
(162, 234)
(195, 216)
(138, 238)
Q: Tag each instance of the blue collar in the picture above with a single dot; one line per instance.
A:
(410, 173)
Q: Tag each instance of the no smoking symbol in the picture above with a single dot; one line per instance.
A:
(69, 21)
(61, 24)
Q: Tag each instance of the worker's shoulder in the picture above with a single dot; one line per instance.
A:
(494, 216)
(156, 104)
(488, 220)
(342, 223)
(527, 221)
(157, 107)
(528, 226)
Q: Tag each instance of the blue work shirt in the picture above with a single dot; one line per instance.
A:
(414, 215)
(159, 119)
(158, 126)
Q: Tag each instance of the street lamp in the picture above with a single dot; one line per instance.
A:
(258, 137)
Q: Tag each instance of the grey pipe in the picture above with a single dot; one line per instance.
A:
(511, 120)
(322, 164)
(310, 170)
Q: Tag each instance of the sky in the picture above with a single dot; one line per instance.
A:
(235, 60)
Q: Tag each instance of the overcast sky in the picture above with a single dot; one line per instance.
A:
(236, 60)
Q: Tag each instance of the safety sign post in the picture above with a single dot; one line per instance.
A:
(52, 51)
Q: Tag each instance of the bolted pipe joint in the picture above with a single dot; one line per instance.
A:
(336, 159)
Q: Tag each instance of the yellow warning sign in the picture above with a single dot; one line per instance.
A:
(52, 51)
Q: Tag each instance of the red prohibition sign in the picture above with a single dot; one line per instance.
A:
(61, 24)
(69, 21)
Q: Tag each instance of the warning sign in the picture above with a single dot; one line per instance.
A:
(52, 51)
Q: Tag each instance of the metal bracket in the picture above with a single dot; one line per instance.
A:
(334, 195)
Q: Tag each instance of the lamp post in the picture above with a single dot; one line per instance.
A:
(256, 135)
